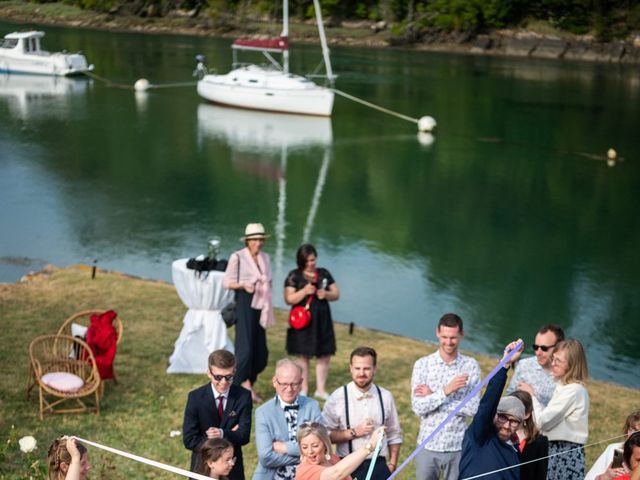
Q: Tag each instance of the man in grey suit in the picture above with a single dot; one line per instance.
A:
(277, 424)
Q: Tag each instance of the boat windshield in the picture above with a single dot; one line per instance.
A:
(8, 42)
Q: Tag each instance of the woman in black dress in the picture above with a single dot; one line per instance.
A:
(533, 445)
(317, 339)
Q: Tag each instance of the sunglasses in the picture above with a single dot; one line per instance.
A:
(544, 348)
(219, 378)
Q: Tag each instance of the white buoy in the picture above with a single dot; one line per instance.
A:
(141, 85)
(612, 154)
(426, 124)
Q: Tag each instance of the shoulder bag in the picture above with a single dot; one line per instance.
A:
(229, 312)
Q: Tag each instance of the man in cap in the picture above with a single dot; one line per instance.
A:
(489, 443)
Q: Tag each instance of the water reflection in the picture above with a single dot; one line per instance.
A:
(271, 137)
(31, 96)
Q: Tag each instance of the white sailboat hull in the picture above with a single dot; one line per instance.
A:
(257, 88)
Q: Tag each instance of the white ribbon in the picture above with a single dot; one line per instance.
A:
(153, 463)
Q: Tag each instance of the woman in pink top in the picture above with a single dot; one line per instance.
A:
(316, 460)
(249, 274)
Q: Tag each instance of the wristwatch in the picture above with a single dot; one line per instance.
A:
(352, 432)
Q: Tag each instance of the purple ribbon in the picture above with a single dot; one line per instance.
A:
(462, 403)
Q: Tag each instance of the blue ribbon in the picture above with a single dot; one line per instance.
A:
(462, 403)
(376, 452)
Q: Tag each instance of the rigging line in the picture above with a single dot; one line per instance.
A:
(542, 458)
(374, 106)
(456, 410)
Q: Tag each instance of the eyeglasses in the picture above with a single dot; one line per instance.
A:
(513, 422)
(557, 360)
(544, 348)
(219, 378)
(292, 385)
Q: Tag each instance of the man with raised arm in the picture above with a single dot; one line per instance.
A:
(490, 442)
(438, 384)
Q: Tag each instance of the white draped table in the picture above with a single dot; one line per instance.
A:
(204, 330)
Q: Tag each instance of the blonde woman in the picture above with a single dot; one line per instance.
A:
(316, 459)
(565, 419)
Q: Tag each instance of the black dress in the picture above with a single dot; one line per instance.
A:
(318, 339)
(539, 448)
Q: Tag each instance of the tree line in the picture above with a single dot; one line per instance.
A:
(606, 19)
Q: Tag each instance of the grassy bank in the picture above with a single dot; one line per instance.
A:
(139, 413)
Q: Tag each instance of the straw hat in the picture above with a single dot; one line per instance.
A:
(254, 230)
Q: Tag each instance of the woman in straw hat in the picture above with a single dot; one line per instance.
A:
(249, 274)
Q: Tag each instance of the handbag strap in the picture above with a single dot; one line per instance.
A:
(310, 297)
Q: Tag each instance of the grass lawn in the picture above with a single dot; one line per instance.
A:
(138, 414)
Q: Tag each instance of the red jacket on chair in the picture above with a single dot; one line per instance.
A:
(102, 337)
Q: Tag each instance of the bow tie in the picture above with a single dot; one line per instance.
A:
(364, 396)
(290, 407)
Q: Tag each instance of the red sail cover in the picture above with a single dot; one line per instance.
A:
(102, 337)
(272, 44)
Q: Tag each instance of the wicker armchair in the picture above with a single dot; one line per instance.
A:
(70, 358)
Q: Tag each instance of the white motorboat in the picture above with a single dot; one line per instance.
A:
(271, 88)
(20, 52)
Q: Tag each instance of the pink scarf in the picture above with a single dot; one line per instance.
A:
(259, 275)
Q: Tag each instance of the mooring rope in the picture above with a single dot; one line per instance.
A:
(374, 106)
(125, 86)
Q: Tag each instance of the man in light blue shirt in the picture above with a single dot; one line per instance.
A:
(277, 423)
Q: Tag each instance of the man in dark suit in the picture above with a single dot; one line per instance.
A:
(219, 409)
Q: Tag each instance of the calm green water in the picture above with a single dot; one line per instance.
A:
(505, 217)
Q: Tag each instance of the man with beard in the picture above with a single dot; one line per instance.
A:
(354, 411)
(439, 382)
(490, 443)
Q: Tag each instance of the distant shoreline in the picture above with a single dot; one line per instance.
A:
(513, 43)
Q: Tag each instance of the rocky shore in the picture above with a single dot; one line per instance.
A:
(516, 43)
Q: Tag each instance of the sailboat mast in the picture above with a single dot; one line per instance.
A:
(285, 34)
(323, 41)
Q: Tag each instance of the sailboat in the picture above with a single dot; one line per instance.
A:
(273, 87)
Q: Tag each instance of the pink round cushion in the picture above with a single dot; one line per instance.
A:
(63, 381)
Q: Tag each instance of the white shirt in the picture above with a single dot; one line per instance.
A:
(566, 417)
(361, 406)
(602, 463)
(216, 394)
(432, 409)
(529, 371)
